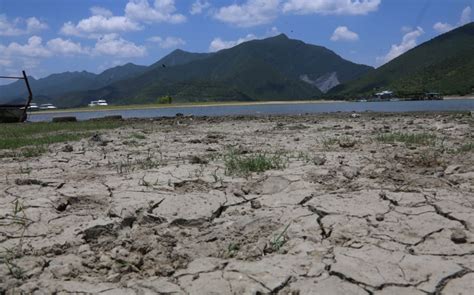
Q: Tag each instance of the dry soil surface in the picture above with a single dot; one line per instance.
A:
(150, 209)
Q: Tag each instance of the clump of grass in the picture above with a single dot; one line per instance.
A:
(138, 136)
(236, 164)
(408, 138)
(328, 142)
(19, 135)
(7, 256)
(468, 147)
(277, 242)
(232, 249)
(128, 165)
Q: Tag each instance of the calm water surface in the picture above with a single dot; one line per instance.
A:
(273, 109)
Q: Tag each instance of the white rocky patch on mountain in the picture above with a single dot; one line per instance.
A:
(324, 83)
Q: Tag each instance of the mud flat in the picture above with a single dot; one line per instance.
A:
(370, 204)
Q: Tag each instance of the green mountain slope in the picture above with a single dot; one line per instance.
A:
(179, 57)
(269, 69)
(276, 68)
(444, 64)
(55, 85)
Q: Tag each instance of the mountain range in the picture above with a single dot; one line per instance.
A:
(276, 68)
(444, 64)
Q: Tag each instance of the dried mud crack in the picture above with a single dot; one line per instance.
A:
(246, 205)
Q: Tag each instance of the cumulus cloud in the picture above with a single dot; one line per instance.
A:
(249, 14)
(96, 10)
(113, 44)
(341, 7)
(409, 41)
(168, 42)
(20, 26)
(102, 21)
(219, 44)
(344, 34)
(199, 6)
(161, 11)
(33, 48)
(66, 47)
(442, 27)
(99, 24)
(465, 18)
(273, 32)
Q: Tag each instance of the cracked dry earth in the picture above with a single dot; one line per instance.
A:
(157, 213)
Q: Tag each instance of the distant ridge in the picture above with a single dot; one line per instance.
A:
(444, 64)
(276, 68)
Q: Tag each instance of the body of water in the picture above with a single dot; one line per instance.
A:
(271, 109)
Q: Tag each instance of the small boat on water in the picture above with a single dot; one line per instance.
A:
(98, 103)
(47, 106)
(16, 113)
(33, 107)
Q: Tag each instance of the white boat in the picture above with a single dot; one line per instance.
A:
(47, 106)
(98, 103)
(33, 107)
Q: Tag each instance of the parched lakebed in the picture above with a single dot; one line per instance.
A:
(322, 204)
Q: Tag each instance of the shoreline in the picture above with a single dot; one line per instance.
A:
(185, 105)
(204, 104)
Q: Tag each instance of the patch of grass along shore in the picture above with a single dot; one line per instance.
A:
(408, 138)
(36, 136)
(468, 147)
(236, 164)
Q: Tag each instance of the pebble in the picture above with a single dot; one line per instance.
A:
(255, 204)
(458, 236)
(319, 160)
(68, 148)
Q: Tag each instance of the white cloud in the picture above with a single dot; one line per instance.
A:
(442, 27)
(96, 10)
(406, 29)
(409, 41)
(66, 47)
(35, 25)
(20, 26)
(219, 44)
(341, 7)
(199, 6)
(344, 34)
(161, 11)
(168, 42)
(273, 32)
(102, 21)
(113, 44)
(465, 18)
(33, 48)
(251, 13)
(99, 24)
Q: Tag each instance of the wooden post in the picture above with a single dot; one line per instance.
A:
(30, 96)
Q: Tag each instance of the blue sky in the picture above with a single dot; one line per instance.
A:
(50, 36)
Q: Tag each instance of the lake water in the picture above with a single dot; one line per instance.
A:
(272, 109)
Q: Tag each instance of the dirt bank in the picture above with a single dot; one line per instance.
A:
(370, 204)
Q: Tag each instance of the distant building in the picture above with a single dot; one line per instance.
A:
(433, 96)
(384, 94)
